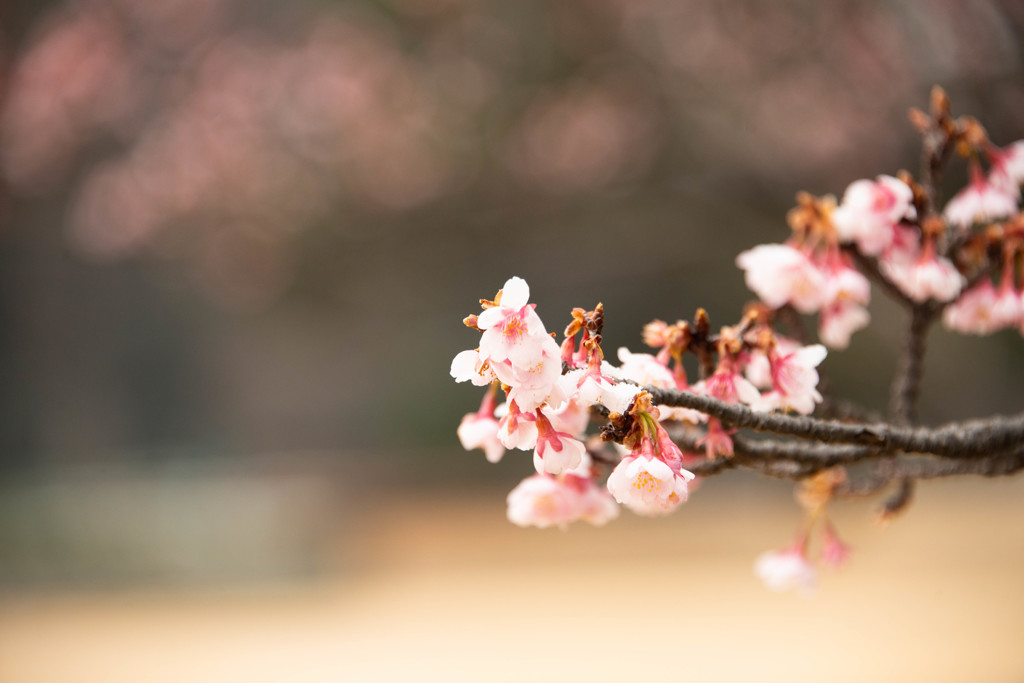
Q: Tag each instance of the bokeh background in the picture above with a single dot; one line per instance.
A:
(237, 240)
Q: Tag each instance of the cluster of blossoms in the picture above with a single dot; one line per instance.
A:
(552, 391)
(548, 411)
(889, 223)
(542, 396)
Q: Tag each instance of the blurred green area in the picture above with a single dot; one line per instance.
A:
(240, 232)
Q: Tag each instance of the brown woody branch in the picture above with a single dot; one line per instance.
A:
(959, 440)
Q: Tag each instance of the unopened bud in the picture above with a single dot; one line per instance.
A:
(702, 322)
(939, 103)
(919, 120)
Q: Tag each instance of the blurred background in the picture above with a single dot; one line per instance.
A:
(237, 240)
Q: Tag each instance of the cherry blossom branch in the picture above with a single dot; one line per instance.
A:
(961, 440)
(921, 468)
(784, 459)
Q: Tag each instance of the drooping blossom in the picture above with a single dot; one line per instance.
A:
(542, 500)
(926, 277)
(597, 506)
(983, 309)
(847, 292)
(838, 322)
(794, 380)
(759, 370)
(781, 274)
(984, 199)
(573, 417)
(646, 484)
(727, 384)
(834, 553)
(972, 312)
(870, 210)
(717, 441)
(480, 430)
(555, 451)
(517, 429)
(1007, 309)
(783, 570)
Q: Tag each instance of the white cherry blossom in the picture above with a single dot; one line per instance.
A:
(781, 274)
(512, 330)
(983, 200)
(870, 210)
(783, 570)
(648, 486)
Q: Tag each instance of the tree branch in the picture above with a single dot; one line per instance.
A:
(968, 439)
(907, 385)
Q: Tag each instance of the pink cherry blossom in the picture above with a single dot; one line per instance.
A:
(555, 451)
(847, 292)
(726, 384)
(717, 441)
(905, 247)
(795, 379)
(647, 485)
(870, 210)
(781, 274)
(517, 429)
(984, 309)
(1007, 171)
(838, 321)
(845, 283)
(1007, 308)
(616, 397)
(535, 381)
(542, 500)
(758, 370)
(783, 570)
(512, 330)
(469, 365)
(983, 200)
(573, 418)
(972, 312)
(1011, 162)
(599, 386)
(834, 553)
(927, 277)
(596, 504)
(645, 369)
(480, 430)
